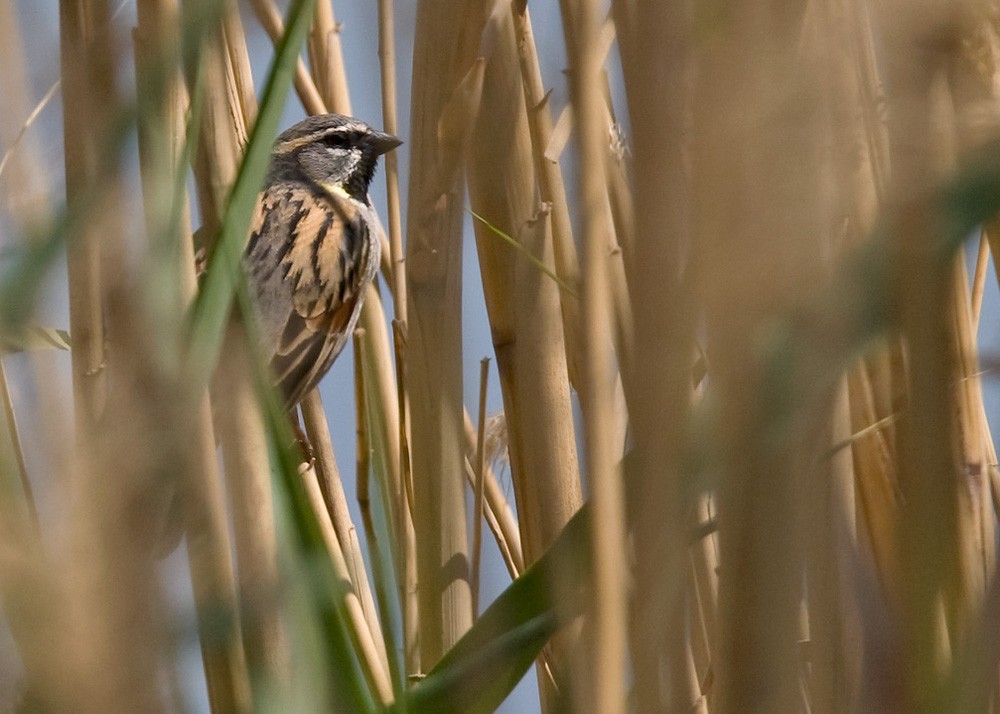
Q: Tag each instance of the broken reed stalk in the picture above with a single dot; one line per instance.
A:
(551, 188)
(500, 515)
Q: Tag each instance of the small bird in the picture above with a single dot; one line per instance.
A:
(314, 246)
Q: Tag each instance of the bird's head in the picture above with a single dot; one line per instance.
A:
(335, 152)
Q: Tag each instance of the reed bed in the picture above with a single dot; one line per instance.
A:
(734, 261)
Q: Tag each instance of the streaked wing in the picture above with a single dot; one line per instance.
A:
(307, 263)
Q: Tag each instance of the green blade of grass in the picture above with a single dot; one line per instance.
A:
(34, 337)
(485, 665)
(215, 299)
(526, 253)
(329, 589)
(24, 271)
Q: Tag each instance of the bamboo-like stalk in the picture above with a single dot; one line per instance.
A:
(161, 145)
(245, 455)
(241, 78)
(327, 60)
(976, 521)
(654, 36)
(606, 693)
(551, 188)
(363, 457)
(756, 68)
(124, 628)
(434, 285)
(86, 321)
(979, 279)
(526, 330)
(926, 437)
(387, 66)
(832, 515)
(387, 426)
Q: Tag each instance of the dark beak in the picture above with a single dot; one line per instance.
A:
(382, 142)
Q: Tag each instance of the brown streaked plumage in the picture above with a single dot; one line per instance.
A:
(313, 246)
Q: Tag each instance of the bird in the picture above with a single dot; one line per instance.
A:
(314, 246)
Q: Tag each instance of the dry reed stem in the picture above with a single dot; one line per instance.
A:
(606, 693)
(976, 520)
(83, 252)
(387, 66)
(245, 455)
(318, 433)
(924, 294)
(478, 488)
(655, 50)
(387, 426)
(831, 516)
(551, 188)
(363, 450)
(113, 579)
(522, 302)
(876, 487)
(326, 59)
(328, 66)
(270, 19)
(499, 513)
(241, 81)
(758, 215)
(703, 594)
(979, 280)
(434, 285)
(375, 668)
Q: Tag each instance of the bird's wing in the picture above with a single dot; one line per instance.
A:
(307, 264)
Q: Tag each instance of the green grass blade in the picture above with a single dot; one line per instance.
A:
(526, 253)
(485, 665)
(33, 337)
(211, 310)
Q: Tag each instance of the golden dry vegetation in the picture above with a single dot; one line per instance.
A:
(740, 245)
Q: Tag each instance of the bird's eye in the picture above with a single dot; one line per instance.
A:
(338, 140)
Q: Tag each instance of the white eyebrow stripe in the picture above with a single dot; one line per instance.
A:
(293, 144)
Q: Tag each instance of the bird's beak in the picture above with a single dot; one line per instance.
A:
(383, 142)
